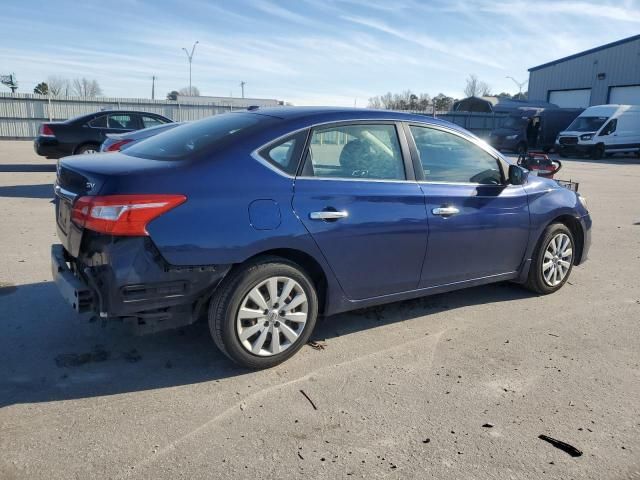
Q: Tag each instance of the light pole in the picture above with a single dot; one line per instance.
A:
(242, 84)
(190, 57)
(519, 84)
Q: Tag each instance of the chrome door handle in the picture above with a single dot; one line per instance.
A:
(328, 215)
(445, 211)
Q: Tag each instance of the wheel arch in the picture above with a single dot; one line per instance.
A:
(83, 144)
(306, 261)
(576, 230)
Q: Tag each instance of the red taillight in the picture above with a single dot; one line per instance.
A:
(122, 214)
(116, 147)
(46, 131)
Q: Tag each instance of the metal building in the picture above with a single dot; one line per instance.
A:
(606, 74)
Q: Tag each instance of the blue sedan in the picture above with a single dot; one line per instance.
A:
(259, 221)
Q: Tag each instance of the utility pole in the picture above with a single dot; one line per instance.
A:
(153, 87)
(242, 84)
(519, 84)
(190, 57)
(10, 81)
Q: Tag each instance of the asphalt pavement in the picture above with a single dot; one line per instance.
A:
(458, 385)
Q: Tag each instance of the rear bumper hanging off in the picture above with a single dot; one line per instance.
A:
(125, 278)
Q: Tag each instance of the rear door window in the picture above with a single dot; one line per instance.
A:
(367, 151)
(122, 121)
(99, 122)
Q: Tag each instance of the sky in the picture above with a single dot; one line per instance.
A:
(307, 52)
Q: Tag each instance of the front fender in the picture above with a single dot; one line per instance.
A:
(548, 202)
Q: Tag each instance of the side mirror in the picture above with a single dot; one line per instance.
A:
(517, 175)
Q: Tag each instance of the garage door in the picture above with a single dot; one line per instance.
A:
(570, 98)
(625, 95)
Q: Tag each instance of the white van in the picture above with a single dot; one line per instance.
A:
(600, 130)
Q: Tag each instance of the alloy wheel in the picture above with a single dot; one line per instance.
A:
(272, 316)
(557, 259)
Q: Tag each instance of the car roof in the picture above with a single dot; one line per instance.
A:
(109, 112)
(328, 114)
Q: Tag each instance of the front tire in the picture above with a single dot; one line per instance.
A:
(263, 313)
(552, 261)
(598, 152)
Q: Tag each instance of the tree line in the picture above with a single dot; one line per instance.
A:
(56, 86)
(408, 100)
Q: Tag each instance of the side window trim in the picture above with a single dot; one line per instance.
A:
(137, 120)
(303, 169)
(418, 163)
(258, 153)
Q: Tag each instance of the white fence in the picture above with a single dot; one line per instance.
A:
(22, 114)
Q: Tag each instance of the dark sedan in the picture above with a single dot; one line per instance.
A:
(86, 133)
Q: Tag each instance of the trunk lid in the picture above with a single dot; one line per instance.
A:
(72, 182)
(91, 175)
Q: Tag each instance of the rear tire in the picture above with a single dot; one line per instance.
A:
(87, 148)
(244, 329)
(552, 260)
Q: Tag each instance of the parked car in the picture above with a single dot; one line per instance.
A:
(116, 142)
(600, 130)
(261, 220)
(532, 129)
(85, 134)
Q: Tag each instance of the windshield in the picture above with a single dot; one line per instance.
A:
(194, 137)
(586, 124)
(513, 122)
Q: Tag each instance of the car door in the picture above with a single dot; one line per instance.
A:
(478, 225)
(609, 136)
(357, 197)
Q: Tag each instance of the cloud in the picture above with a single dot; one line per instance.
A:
(283, 13)
(310, 51)
(449, 48)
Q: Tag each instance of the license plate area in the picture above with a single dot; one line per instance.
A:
(63, 214)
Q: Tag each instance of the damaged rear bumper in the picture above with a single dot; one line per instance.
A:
(74, 290)
(127, 278)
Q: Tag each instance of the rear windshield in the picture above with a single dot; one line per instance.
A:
(587, 124)
(189, 139)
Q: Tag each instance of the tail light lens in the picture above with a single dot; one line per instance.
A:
(46, 130)
(126, 215)
(116, 147)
